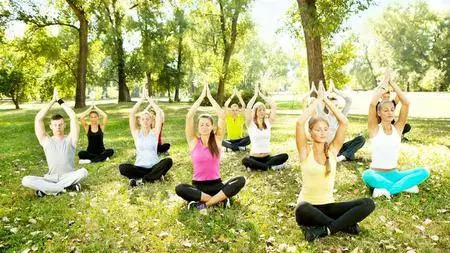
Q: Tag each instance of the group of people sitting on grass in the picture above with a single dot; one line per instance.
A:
(320, 139)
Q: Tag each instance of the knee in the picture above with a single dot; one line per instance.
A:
(425, 172)
(367, 175)
(284, 157)
(179, 189)
(26, 181)
(302, 208)
(246, 161)
(111, 152)
(361, 139)
(369, 205)
(123, 169)
(240, 182)
(83, 172)
(169, 162)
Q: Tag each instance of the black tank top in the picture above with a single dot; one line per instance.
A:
(95, 141)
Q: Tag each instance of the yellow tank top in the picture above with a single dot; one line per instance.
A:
(234, 126)
(317, 188)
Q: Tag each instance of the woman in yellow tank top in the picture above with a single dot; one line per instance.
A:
(316, 211)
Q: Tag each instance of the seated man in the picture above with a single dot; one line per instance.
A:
(59, 151)
(235, 125)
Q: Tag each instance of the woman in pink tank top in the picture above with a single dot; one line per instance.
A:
(207, 188)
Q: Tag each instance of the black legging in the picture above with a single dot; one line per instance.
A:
(96, 157)
(336, 216)
(210, 187)
(148, 175)
(236, 143)
(163, 147)
(406, 128)
(264, 163)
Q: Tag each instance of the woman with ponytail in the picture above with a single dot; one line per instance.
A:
(316, 211)
(207, 188)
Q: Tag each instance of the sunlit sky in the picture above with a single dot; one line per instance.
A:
(268, 16)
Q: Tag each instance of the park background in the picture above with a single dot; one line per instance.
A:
(108, 50)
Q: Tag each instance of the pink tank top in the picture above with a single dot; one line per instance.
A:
(206, 166)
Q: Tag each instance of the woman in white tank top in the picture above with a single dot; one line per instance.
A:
(259, 131)
(383, 175)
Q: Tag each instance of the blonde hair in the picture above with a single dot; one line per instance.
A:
(312, 122)
(255, 117)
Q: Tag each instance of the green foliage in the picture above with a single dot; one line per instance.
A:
(12, 84)
(417, 40)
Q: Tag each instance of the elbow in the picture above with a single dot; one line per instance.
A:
(406, 102)
(344, 121)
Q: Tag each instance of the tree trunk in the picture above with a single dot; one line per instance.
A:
(179, 62)
(80, 93)
(311, 32)
(228, 49)
(149, 85)
(124, 93)
(374, 77)
(15, 100)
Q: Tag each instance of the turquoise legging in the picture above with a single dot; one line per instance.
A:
(395, 181)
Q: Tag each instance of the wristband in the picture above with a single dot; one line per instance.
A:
(60, 101)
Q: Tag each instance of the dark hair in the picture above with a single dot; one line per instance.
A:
(311, 124)
(212, 145)
(255, 117)
(95, 112)
(57, 117)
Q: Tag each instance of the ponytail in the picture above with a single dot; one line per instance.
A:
(212, 145)
(327, 162)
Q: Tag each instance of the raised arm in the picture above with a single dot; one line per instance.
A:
(273, 106)
(400, 123)
(158, 117)
(248, 111)
(189, 128)
(104, 117)
(372, 120)
(220, 114)
(227, 103)
(241, 101)
(301, 138)
(132, 118)
(39, 127)
(339, 138)
(347, 99)
(74, 128)
(82, 117)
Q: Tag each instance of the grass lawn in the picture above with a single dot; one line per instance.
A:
(108, 216)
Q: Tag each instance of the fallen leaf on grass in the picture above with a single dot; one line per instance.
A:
(14, 230)
(5, 219)
(187, 244)
(421, 228)
(32, 221)
(426, 222)
(163, 234)
(434, 238)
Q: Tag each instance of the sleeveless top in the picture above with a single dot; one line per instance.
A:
(146, 150)
(234, 126)
(206, 166)
(259, 138)
(317, 188)
(95, 141)
(60, 157)
(385, 149)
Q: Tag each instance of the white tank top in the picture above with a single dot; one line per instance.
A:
(385, 149)
(146, 150)
(259, 138)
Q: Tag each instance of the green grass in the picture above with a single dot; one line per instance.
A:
(108, 216)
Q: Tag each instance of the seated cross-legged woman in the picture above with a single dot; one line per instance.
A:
(59, 152)
(317, 212)
(147, 167)
(259, 130)
(383, 176)
(234, 120)
(207, 188)
(96, 151)
(163, 148)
